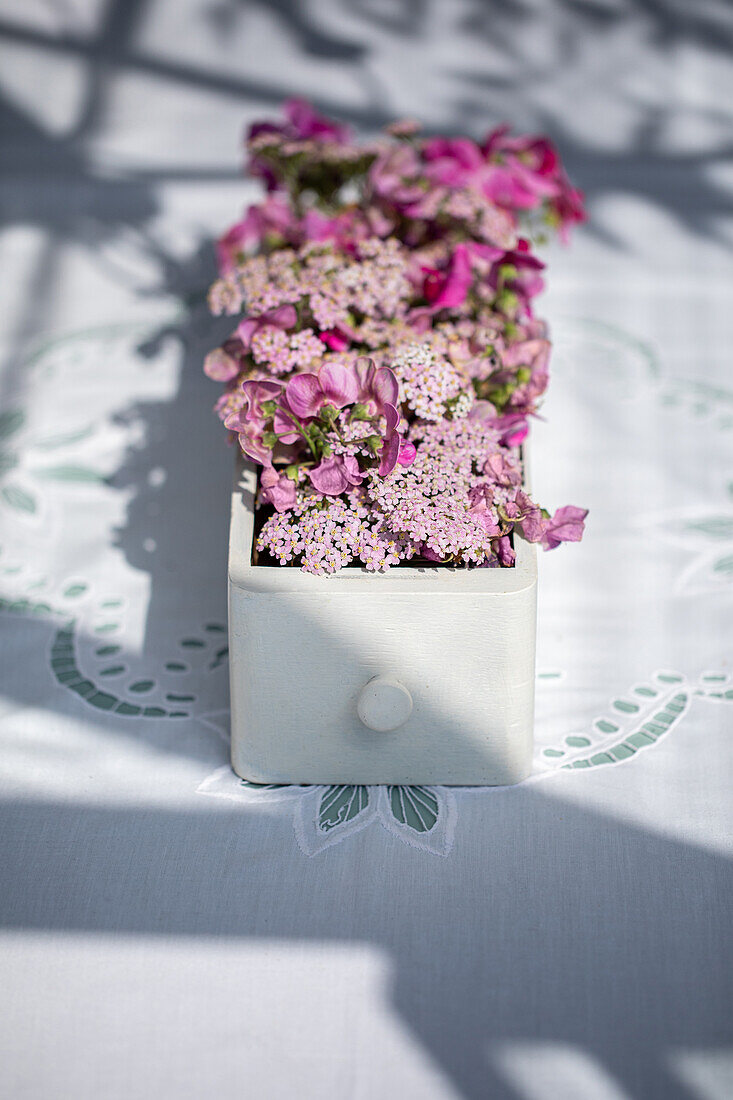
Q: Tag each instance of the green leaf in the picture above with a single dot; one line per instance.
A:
(724, 565)
(76, 589)
(11, 422)
(54, 441)
(19, 499)
(8, 462)
(70, 473)
(715, 527)
(416, 807)
(340, 804)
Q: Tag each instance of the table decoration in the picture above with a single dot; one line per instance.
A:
(380, 380)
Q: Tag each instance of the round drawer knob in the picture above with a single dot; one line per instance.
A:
(384, 704)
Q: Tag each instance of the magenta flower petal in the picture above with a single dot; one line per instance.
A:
(246, 329)
(305, 395)
(515, 435)
(335, 474)
(504, 551)
(531, 521)
(305, 123)
(220, 366)
(364, 370)
(339, 384)
(250, 440)
(277, 489)
(284, 317)
(458, 281)
(407, 453)
(389, 455)
(501, 471)
(257, 390)
(567, 525)
(334, 340)
(385, 388)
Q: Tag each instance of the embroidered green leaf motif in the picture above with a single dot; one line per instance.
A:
(724, 565)
(75, 589)
(19, 499)
(192, 643)
(642, 736)
(176, 666)
(416, 807)
(340, 804)
(68, 674)
(11, 422)
(54, 441)
(70, 473)
(8, 462)
(715, 527)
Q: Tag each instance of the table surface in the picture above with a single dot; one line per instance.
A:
(168, 931)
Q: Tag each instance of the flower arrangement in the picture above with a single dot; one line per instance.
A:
(386, 359)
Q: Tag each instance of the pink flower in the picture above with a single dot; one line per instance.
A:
(457, 281)
(527, 172)
(567, 209)
(284, 318)
(524, 281)
(453, 162)
(407, 453)
(567, 525)
(335, 384)
(514, 427)
(252, 443)
(256, 392)
(389, 454)
(335, 474)
(378, 388)
(530, 519)
(249, 420)
(317, 227)
(273, 216)
(516, 430)
(395, 176)
(502, 472)
(334, 340)
(221, 366)
(504, 551)
(481, 499)
(304, 122)
(277, 489)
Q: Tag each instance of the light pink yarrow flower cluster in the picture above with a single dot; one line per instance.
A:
(385, 358)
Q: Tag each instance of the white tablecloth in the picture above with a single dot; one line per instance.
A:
(168, 931)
